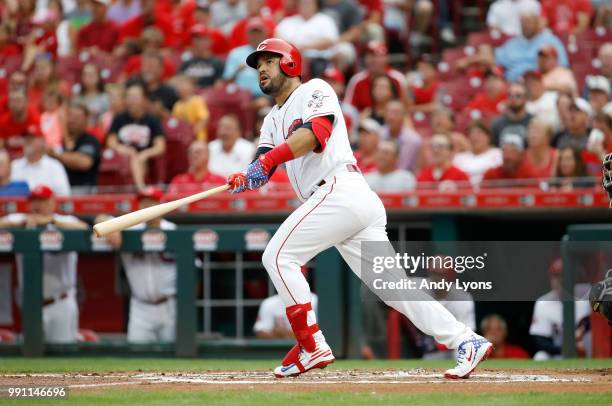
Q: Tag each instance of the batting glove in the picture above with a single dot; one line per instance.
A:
(258, 172)
(237, 182)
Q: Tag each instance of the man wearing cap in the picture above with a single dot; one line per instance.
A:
(148, 17)
(203, 67)
(257, 12)
(516, 118)
(576, 134)
(60, 308)
(604, 58)
(369, 137)
(442, 174)
(152, 280)
(512, 168)
(547, 322)
(388, 177)
(554, 76)
(541, 103)
(37, 168)
(101, 33)
(599, 92)
(198, 174)
(19, 120)
(236, 70)
(358, 90)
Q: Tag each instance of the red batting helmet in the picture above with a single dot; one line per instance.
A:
(291, 60)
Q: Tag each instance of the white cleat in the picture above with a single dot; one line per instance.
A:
(469, 354)
(320, 358)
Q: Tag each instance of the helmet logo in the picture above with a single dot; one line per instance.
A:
(262, 46)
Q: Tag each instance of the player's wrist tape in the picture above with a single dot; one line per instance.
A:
(279, 154)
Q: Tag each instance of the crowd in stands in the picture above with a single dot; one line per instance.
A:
(140, 92)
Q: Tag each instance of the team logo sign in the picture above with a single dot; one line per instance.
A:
(256, 239)
(100, 244)
(205, 240)
(51, 240)
(6, 241)
(153, 240)
(316, 100)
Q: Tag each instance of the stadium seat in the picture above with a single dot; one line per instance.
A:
(459, 91)
(494, 38)
(421, 122)
(179, 135)
(114, 169)
(8, 65)
(228, 100)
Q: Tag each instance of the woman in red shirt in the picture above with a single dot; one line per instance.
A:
(540, 157)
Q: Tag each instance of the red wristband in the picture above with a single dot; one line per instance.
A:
(280, 154)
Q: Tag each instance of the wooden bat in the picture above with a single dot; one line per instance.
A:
(140, 216)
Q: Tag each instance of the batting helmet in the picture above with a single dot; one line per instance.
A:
(291, 60)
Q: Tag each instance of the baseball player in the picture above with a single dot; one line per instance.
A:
(60, 308)
(306, 131)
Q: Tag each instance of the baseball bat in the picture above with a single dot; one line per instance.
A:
(140, 216)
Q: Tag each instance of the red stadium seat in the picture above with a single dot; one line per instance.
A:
(421, 122)
(114, 169)
(8, 65)
(228, 100)
(494, 38)
(450, 56)
(179, 136)
(459, 91)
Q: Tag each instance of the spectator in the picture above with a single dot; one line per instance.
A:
(181, 13)
(37, 168)
(203, 67)
(504, 15)
(376, 60)
(79, 15)
(101, 34)
(570, 170)
(63, 31)
(312, 32)
(151, 41)
(541, 103)
(148, 17)
(383, 92)
(441, 171)
(516, 118)
(80, 151)
(17, 82)
(495, 329)
(369, 136)
(201, 16)
(137, 134)
(576, 133)
(511, 169)
(547, 323)
(554, 76)
(493, 98)
(272, 319)
(564, 101)
(443, 121)
(423, 92)
(198, 174)
(161, 96)
(225, 14)
(92, 94)
(191, 107)
(335, 78)
(388, 177)
(540, 157)
(396, 129)
(520, 54)
(481, 157)
(152, 280)
(230, 153)
(44, 76)
(8, 187)
(599, 143)
(236, 69)
(604, 57)
(60, 311)
(52, 119)
(116, 105)
(121, 11)
(567, 16)
(599, 92)
(18, 121)
(348, 17)
(256, 9)
(8, 43)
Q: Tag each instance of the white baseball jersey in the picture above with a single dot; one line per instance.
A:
(151, 275)
(315, 98)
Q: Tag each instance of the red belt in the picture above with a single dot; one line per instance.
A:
(349, 167)
(47, 302)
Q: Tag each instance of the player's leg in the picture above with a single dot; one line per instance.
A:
(60, 321)
(142, 323)
(167, 315)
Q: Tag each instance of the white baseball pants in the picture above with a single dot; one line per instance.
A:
(342, 213)
(61, 320)
(151, 323)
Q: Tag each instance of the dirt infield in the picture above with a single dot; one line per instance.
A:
(402, 381)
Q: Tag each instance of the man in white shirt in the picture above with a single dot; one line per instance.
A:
(229, 153)
(547, 322)
(541, 103)
(388, 178)
(504, 15)
(36, 168)
(60, 308)
(272, 319)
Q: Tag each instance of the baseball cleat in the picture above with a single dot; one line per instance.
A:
(469, 354)
(318, 359)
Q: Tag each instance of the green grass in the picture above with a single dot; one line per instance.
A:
(101, 364)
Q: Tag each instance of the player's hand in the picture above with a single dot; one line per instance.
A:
(237, 182)
(258, 172)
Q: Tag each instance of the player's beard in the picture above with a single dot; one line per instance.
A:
(274, 85)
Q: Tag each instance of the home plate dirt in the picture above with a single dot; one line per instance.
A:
(413, 380)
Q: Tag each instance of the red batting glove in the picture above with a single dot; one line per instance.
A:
(237, 182)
